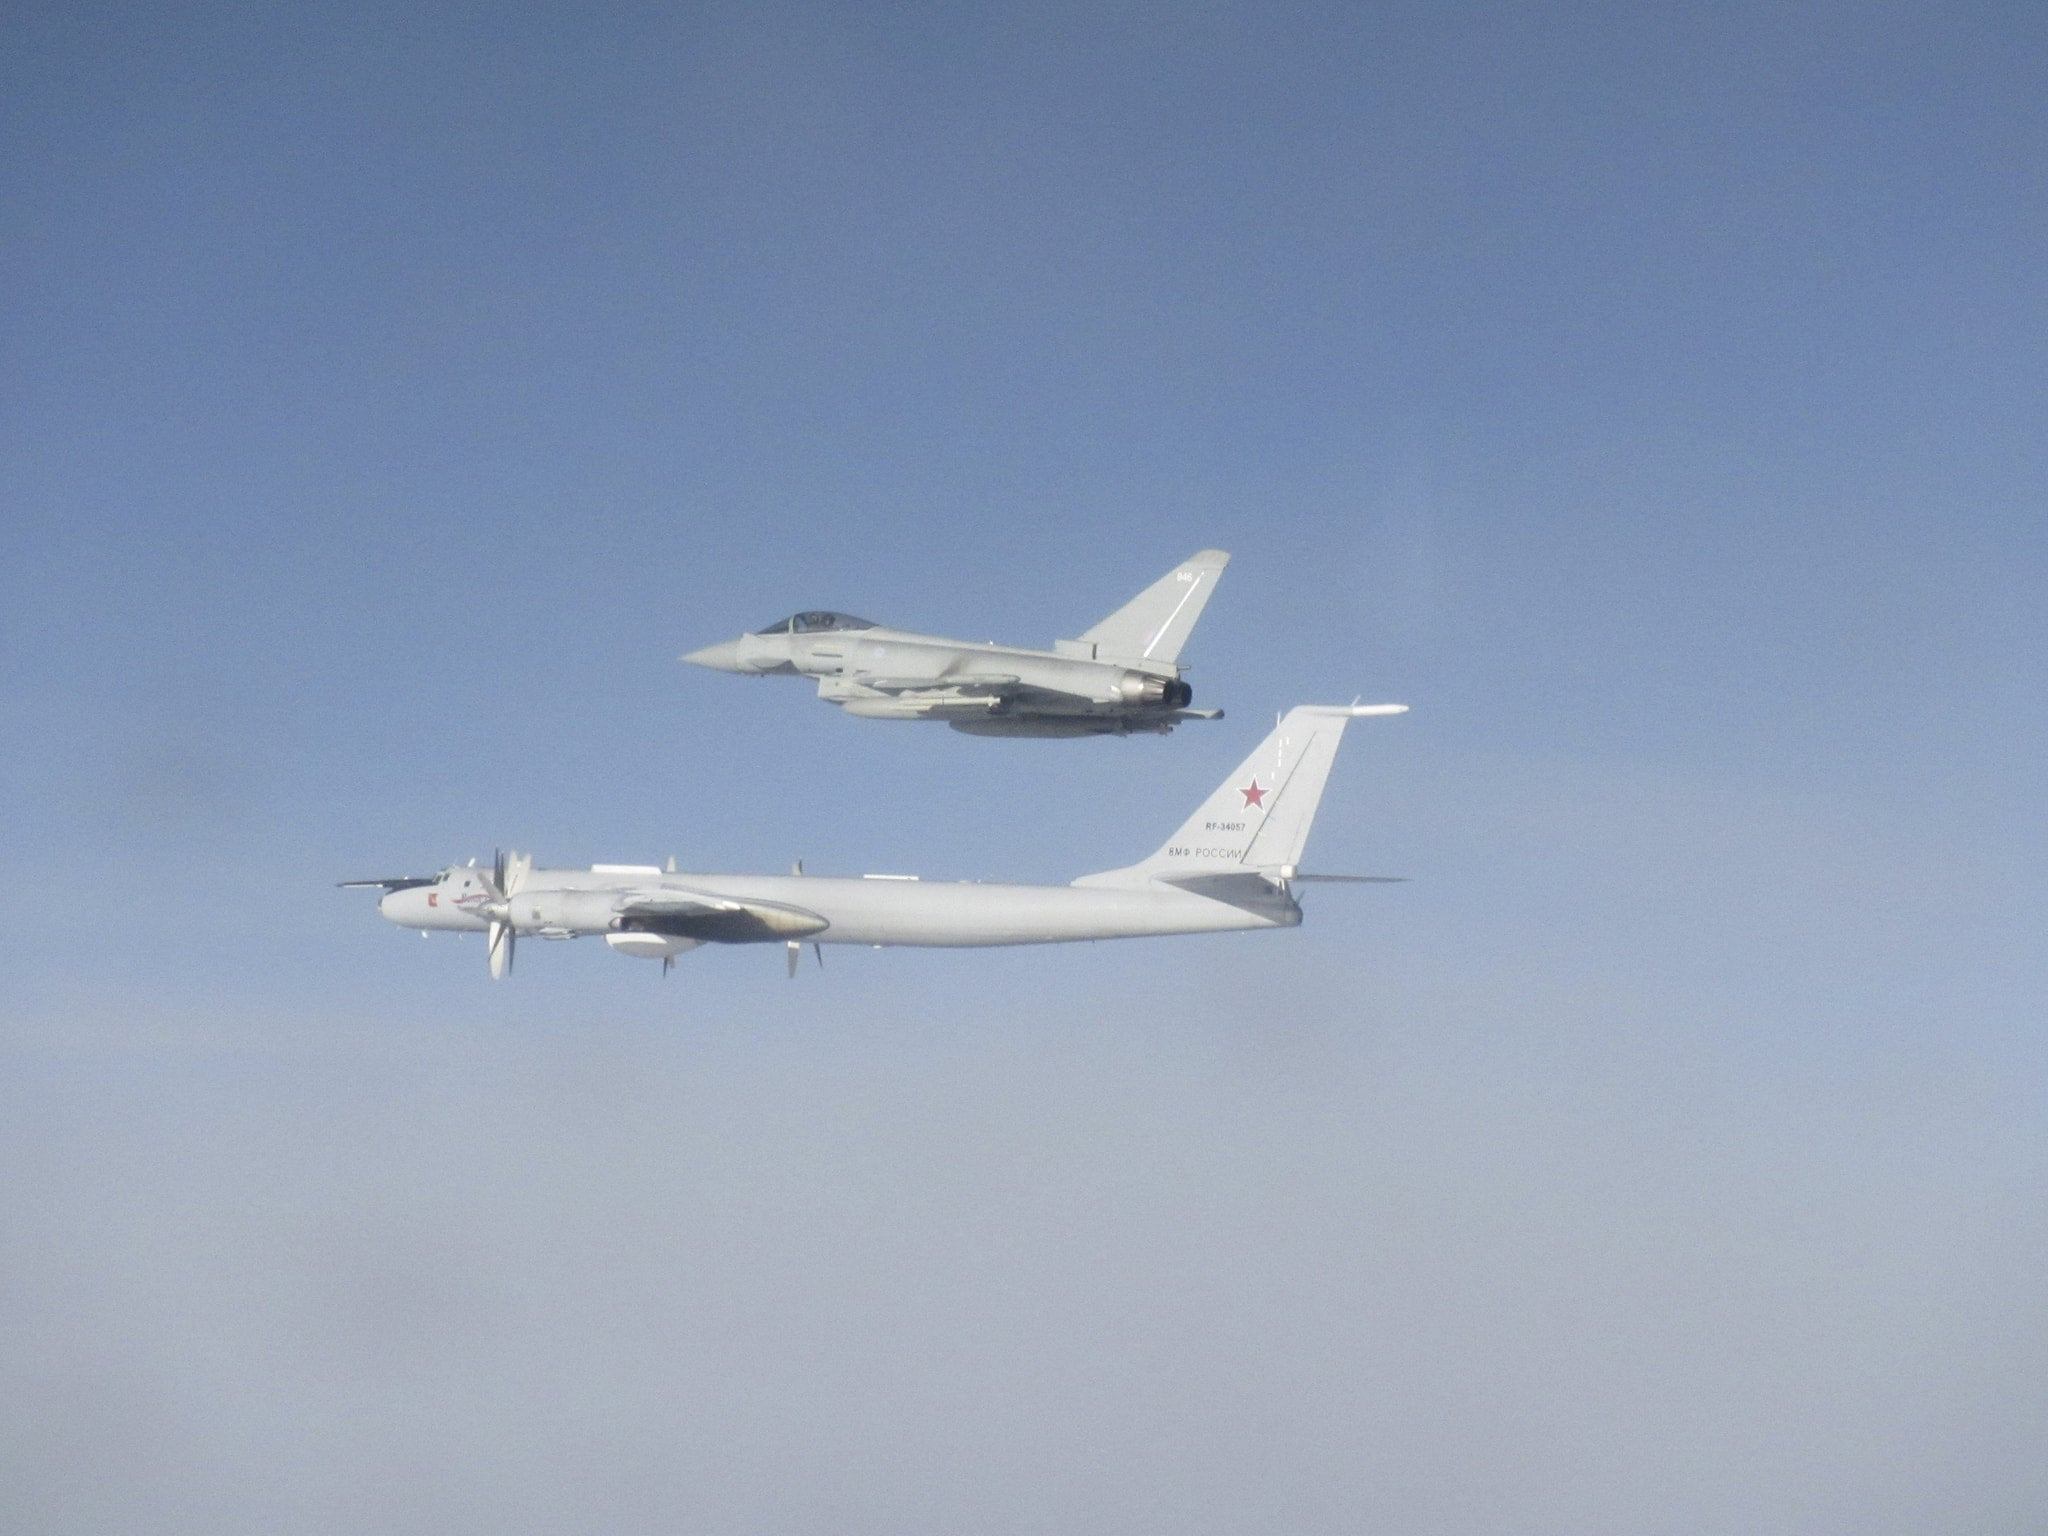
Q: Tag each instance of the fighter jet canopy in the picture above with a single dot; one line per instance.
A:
(816, 622)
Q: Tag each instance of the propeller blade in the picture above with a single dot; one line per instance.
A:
(819, 951)
(500, 938)
(508, 874)
(795, 953)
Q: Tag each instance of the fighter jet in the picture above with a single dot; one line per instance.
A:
(1235, 863)
(1120, 677)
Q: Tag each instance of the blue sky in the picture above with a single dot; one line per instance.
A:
(1651, 400)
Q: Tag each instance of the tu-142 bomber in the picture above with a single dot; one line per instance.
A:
(1234, 864)
(1120, 677)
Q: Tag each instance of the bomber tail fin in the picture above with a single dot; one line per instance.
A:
(1257, 820)
(1154, 625)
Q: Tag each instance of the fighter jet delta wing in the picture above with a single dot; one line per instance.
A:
(1119, 677)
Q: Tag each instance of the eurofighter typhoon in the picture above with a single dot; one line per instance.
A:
(1120, 677)
(1235, 863)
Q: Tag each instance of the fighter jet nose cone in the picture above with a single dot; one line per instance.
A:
(723, 657)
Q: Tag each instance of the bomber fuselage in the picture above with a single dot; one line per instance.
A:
(870, 909)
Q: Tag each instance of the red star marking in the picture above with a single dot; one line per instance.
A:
(1253, 795)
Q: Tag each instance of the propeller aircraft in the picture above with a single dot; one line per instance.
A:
(1234, 864)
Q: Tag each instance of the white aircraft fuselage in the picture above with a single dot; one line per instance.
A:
(869, 909)
(1232, 865)
(1120, 677)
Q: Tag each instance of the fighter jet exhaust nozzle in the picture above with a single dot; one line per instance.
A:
(1143, 689)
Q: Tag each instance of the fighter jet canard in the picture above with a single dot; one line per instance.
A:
(1120, 677)
(1234, 864)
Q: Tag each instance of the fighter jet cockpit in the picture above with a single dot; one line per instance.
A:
(816, 622)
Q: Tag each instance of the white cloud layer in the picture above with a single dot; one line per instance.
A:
(995, 1274)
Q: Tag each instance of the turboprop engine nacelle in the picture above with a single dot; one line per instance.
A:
(1143, 688)
(649, 946)
(550, 912)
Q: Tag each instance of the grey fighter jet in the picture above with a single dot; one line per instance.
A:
(1235, 863)
(1121, 676)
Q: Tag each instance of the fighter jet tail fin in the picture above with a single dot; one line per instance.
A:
(1258, 819)
(1154, 625)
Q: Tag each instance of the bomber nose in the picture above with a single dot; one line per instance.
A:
(722, 657)
(399, 907)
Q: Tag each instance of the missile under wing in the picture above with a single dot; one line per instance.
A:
(1120, 676)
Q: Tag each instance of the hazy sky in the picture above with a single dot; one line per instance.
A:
(1654, 401)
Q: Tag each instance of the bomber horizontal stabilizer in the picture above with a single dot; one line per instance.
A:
(1349, 879)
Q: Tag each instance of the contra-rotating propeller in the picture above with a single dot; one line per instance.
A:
(507, 879)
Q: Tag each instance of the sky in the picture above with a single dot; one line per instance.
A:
(1651, 399)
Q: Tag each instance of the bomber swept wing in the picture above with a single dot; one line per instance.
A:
(699, 915)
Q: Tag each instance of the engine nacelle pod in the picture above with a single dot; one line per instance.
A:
(649, 946)
(561, 913)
